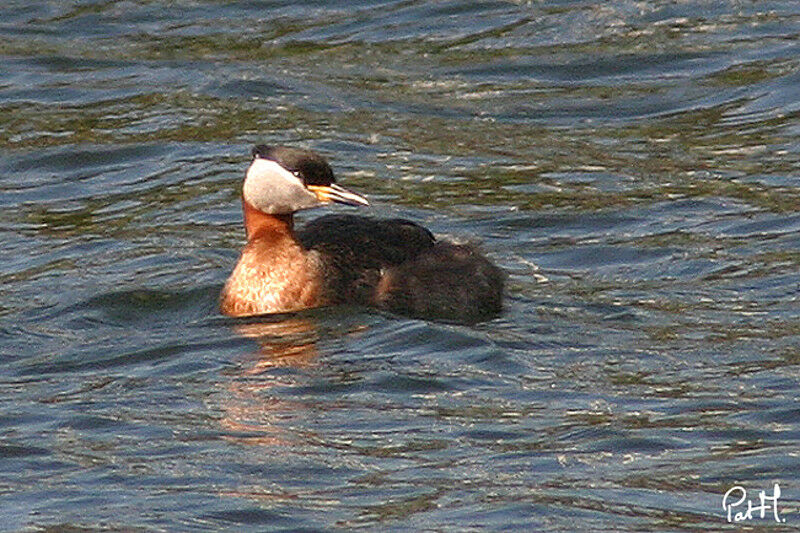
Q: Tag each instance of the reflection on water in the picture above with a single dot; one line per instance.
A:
(289, 342)
(282, 343)
(633, 166)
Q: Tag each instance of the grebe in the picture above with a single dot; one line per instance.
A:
(391, 264)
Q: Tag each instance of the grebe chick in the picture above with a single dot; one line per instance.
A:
(391, 264)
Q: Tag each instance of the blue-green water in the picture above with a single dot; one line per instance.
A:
(634, 166)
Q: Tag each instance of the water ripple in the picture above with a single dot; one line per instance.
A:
(633, 166)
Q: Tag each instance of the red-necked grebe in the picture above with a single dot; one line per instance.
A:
(391, 264)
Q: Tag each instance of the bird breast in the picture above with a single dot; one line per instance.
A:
(273, 277)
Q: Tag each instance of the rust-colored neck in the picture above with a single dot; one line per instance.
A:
(258, 224)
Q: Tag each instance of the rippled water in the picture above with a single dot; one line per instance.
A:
(633, 166)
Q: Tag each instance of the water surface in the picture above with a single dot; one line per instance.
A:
(632, 165)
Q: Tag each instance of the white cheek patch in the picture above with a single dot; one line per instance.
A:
(270, 188)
